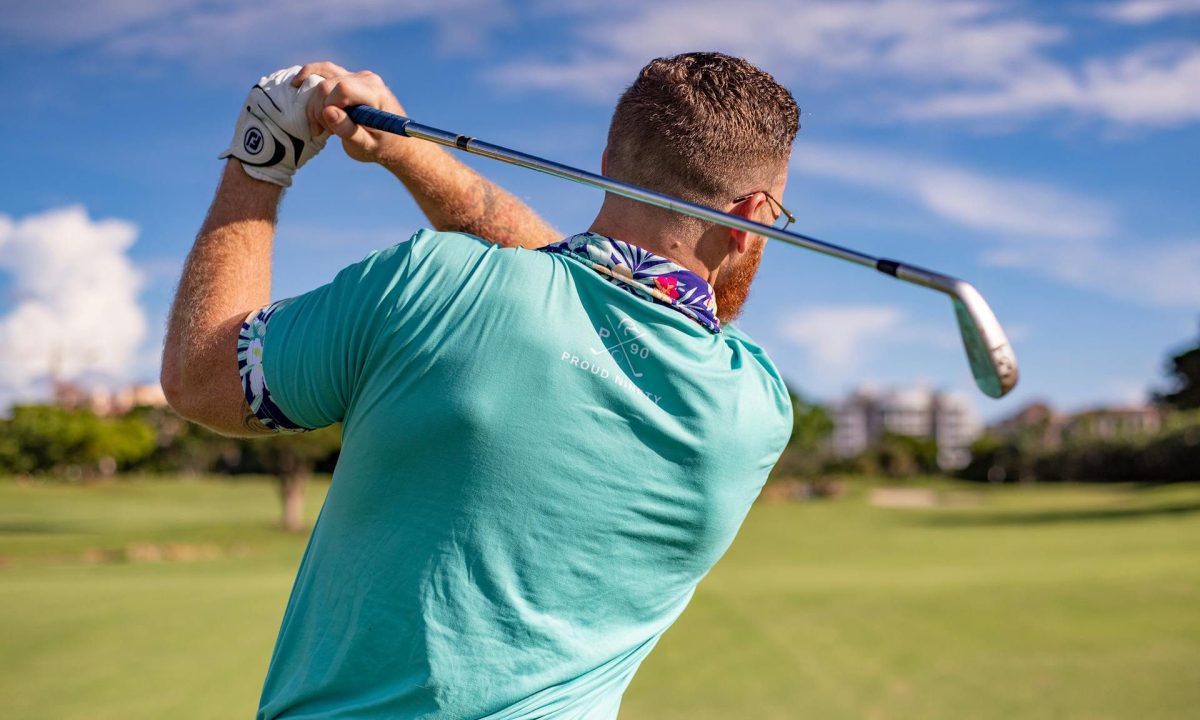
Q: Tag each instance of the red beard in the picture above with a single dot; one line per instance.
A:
(733, 284)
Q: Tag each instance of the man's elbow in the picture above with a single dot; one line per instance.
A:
(181, 400)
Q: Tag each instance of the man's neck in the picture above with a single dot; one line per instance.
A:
(657, 240)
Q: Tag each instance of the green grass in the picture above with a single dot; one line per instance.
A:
(1044, 602)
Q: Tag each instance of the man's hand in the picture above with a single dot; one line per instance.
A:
(273, 138)
(338, 89)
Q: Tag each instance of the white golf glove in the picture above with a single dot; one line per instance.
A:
(272, 138)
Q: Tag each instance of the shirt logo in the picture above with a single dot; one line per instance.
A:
(621, 341)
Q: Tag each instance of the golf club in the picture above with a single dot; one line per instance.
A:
(993, 362)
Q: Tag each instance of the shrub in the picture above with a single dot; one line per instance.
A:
(1170, 455)
(45, 439)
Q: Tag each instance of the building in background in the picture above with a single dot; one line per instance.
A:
(1042, 427)
(1037, 423)
(106, 403)
(863, 417)
(1114, 422)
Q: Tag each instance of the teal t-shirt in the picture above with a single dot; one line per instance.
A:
(537, 469)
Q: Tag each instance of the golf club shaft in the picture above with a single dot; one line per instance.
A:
(400, 125)
(992, 361)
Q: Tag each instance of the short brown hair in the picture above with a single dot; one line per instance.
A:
(702, 126)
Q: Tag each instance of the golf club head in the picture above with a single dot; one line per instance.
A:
(993, 362)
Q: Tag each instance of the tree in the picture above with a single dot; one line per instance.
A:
(185, 447)
(999, 458)
(808, 448)
(47, 439)
(1185, 371)
(896, 455)
(292, 458)
(120, 442)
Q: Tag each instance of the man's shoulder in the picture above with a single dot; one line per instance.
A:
(429, 249)
(750, 351)
(759, 371)
(427, 243)
(430, 257)
(435, 271)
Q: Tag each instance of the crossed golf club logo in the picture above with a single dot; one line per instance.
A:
(625, 335)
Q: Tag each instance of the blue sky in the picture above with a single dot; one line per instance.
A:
(1046, 152)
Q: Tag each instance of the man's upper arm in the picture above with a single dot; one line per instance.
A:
(297, 364)
(226, 387)
(301, 360)
(201, 383)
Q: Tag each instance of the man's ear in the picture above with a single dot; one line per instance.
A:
(739, 240)
(604, 162)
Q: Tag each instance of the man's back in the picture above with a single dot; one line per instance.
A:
(538, 467)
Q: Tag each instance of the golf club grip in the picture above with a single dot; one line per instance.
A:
(368, 116)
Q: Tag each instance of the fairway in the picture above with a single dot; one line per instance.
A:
(151, 599)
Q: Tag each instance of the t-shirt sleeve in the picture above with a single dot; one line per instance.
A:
(301, 359)
(776, 410)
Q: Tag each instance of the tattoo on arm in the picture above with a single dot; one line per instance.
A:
(483, 224)
(455, 198)
(489, 201)
(500, 218)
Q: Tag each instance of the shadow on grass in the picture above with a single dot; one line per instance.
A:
(1049, 517)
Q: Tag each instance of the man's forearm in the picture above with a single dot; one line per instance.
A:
(453, 196)
(226, 275)
(456, 198)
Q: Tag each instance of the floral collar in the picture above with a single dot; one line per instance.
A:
(643, 273)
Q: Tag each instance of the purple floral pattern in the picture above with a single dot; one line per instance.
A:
(645, 274)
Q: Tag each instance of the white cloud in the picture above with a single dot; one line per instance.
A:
(1166, 275)
(1145, 12)
(924, 41)
(204, 31)
(61, 23)
(73, 306)
(1026, 224)
(587, 77)
(836, 337)
(960, 59)
(997, 205)
(1150, 87)
(918, 59)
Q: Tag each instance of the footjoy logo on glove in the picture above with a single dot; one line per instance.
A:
(253, 141)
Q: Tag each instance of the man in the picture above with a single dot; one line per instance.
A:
(543, 451)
